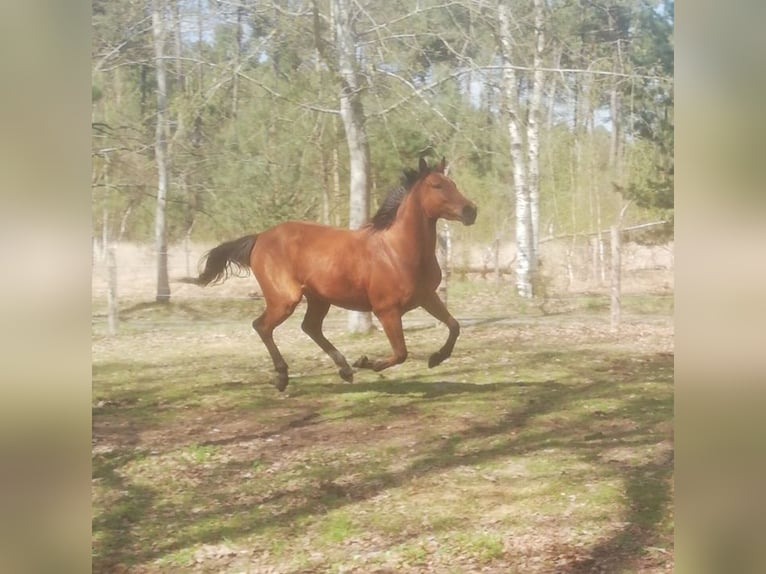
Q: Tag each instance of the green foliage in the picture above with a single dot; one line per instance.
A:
(337, 528)
(198, 453)
(653, 120)
(254, 139)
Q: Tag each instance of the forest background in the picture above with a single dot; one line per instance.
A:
(212, 119)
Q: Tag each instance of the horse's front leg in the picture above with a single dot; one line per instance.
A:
(436, 307)
(391, 319)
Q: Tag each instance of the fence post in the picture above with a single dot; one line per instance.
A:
(112, 312)
(496, 249)
(444, 256)
(616, 268)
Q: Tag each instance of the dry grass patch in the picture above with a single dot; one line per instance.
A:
(544, 444)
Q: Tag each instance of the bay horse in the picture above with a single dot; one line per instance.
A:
(387, 266)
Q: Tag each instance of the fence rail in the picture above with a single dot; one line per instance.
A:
(566, 267)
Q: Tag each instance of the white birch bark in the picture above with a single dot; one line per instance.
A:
(336, 192)
(615, 306)
(521, 192)
(444, 257)
(112, 305)
(533, 136)
(160, 153)
(614, 141)
(352, 115)
(237, 62)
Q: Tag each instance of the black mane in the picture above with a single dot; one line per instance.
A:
(386, 213)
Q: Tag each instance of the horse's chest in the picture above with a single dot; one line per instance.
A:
(425, 278)
(429, 282)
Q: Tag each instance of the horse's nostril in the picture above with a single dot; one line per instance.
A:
(469, 214)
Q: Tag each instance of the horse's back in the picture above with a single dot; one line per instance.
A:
(297, 240)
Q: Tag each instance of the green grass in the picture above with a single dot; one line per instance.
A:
(336, 527)
(484, 546)
(544, 438)
(198, 453)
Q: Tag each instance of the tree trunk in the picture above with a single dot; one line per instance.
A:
(616, 268)
(614, 142)
(552, 90)
(444, 256)
(521, 192)
(614, 103)
(177, 45)
(112, 306)
(352, 114)
(160, 153)
(237, 63)
(200, 46)
(533, 137)
(496, 262)
(104, 225)
(336, 193)
(327, 178)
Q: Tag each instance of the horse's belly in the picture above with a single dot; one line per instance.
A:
(339, 294)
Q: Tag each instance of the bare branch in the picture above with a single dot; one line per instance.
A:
(577, 71)
(130, 33)
(416, 12)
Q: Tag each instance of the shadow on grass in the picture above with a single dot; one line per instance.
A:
(408, 387)
(170, 308)
(513, 434)
(230, 309)
(306, 420)
(637, 545)
(129, 507)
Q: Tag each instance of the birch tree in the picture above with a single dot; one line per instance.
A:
(524, 244)
(352, 115)
(160, 152)
(533, 134)
(224, 147)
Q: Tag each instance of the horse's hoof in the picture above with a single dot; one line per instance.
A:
(379, 365)
(434, 360)
(363, 363)
(280, 382)
(347, 375)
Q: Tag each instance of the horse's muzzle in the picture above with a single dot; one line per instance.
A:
(469, 214)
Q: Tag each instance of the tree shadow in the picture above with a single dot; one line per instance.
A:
(417, 389)
(127, 510)
(306, 420)
(512, 434)
(169, 307)
(648, 490)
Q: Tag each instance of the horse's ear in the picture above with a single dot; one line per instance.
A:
(442, 167)
(423, 166)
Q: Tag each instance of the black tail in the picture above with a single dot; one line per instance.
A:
(230, 258)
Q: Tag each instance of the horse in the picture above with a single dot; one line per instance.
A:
(387, 266)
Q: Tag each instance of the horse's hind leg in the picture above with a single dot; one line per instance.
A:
(312, 326)
(273, 316)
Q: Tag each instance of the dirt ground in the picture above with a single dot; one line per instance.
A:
(543, 445)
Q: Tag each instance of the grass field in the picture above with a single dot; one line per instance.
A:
(545, 444)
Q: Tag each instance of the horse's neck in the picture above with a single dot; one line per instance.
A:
(413, 234)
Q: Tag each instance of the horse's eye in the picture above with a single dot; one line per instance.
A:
(438, 185)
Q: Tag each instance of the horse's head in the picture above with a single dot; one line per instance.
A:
(439, 196)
